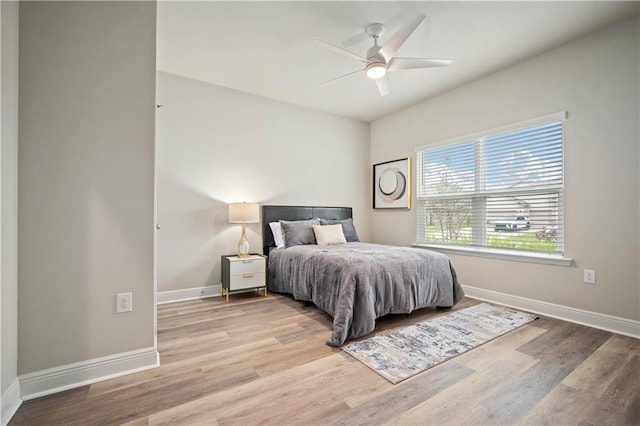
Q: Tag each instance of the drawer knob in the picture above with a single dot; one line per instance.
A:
(247, 275)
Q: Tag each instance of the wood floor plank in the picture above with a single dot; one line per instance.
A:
(561, 355)
(220, 362)
(265, 361)
(262, 399)
(619, 405)
(404, 396)
(495, 365)
(615, 353)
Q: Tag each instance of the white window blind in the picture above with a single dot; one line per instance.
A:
(502, 189)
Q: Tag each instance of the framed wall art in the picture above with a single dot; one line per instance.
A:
(392, 184)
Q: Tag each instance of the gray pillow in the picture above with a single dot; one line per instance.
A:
(347, 226)
(298, 232)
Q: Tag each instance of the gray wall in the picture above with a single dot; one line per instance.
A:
(217, 145)
(9, 191)
(596, 80)
(86, 180)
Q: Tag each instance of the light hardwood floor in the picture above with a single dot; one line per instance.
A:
(264, 361)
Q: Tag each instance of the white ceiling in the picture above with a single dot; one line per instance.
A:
(265, 48)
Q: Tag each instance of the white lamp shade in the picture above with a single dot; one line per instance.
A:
(244, 213)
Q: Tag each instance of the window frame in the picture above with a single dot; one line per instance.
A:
(557, 258)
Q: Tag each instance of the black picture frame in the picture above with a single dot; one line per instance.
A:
(392, 184)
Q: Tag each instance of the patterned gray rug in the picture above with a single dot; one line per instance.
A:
(405, 352)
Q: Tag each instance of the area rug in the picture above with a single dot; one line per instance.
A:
(410, 350)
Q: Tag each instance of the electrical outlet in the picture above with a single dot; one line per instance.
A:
(589, 276)
(124, 302)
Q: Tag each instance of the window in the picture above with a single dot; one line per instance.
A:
(500, 189)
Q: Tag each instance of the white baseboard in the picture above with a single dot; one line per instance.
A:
(58, 379)
(187, 294)
(624, 326)
(10, 402)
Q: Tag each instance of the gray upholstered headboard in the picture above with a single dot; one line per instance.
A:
(276, 213)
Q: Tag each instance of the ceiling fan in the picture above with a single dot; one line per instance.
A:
(380, 59)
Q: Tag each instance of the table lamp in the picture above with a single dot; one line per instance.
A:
(244, 213)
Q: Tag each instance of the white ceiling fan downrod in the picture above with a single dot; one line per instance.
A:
(378, 66)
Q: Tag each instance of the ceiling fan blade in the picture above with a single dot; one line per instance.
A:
(409, 63)
(340, 50)
(341, 77)
(399, 37)
(356, 39)
(383, 86)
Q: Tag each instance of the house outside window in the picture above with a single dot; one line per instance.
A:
(499, 189)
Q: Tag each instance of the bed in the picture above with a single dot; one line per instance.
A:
(354, 282)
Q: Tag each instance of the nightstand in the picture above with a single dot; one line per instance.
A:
(243, 273)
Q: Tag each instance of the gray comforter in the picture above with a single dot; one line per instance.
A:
(356, 283)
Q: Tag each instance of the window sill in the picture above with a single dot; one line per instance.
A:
(492, 253)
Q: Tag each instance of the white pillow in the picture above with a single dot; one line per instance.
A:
(329, 234)
(276, 230)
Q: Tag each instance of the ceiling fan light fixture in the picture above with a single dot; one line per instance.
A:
(376, 70)
(380, 59)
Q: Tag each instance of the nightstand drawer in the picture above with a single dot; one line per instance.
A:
(247, 280)
(248, 266)
(242, 274)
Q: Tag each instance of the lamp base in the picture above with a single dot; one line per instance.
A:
(243, 244)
